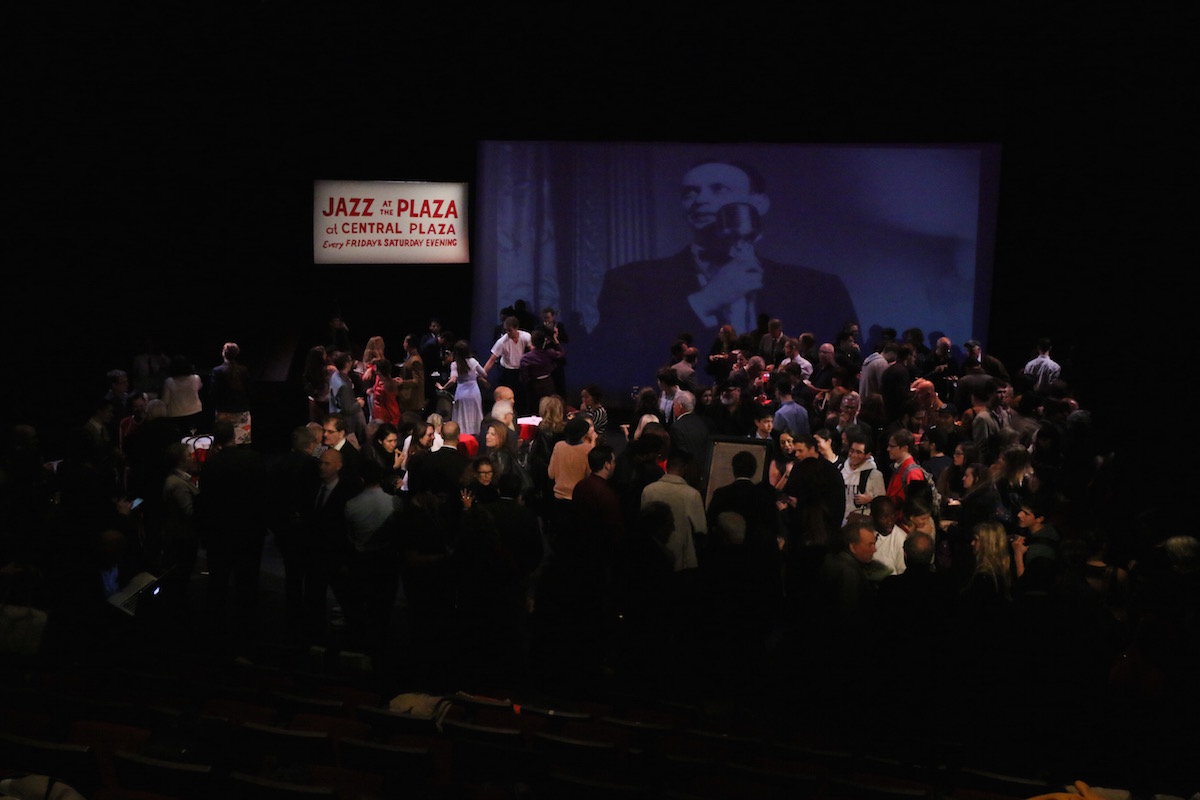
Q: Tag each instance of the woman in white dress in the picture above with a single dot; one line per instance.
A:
(465, 376)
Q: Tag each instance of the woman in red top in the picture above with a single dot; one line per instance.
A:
(385, 402)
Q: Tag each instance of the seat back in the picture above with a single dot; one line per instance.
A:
(174, 778)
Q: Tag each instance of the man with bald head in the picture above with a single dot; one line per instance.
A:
(327, 546)
(439, 471)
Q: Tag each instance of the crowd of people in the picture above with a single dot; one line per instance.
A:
(927, 519)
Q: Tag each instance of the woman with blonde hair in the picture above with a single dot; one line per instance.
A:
(549, 433)
(992, 558)
(986, 616)
(991, 579)
(553, 414)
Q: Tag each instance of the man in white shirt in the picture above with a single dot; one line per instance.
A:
(889, 540)
(508, 349)
(791, 355)
(1043, 369)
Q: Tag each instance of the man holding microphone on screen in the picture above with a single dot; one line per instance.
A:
(718, 279)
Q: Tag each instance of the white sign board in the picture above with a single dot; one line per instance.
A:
(389, 222)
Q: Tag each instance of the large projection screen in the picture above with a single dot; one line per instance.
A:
(893, 236)
(389, 222)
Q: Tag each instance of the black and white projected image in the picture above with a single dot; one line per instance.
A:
(634, 244)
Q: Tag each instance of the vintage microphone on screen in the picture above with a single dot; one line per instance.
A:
(736, 224)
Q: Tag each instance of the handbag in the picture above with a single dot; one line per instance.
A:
(21, 629)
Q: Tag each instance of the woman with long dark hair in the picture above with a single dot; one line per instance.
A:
(385, 451)
(979, 504)
(783, 457)
(495, 447)
(466, 373)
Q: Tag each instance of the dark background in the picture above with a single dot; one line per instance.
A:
(159, 167)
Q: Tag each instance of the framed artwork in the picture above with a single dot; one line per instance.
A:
(720, 461)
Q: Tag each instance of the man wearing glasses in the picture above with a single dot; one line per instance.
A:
(333, 436)
(906, 470)
(863, 479)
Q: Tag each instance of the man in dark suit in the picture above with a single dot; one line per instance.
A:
(743, 561)
(753, 501)
(718, 279)
(845, 597)
(292, 480)
(816, 498)
(430, 351)
(691, 433)
(518, 527)
(439, 471)
(233, 508)
(771, 345)
(334, 437)
(328, 546)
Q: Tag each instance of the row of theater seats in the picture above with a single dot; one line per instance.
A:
(255, 732)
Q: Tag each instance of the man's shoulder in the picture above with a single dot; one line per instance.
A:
(693, 421)
(827, 467)
(342, 491)
(840, 562)
(451, 460)
(848, 471)
(593, 487)
(668, 483)
(360, 500)
(176, 481)
(293, 461)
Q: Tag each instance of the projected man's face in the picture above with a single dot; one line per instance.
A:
(707, 187)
